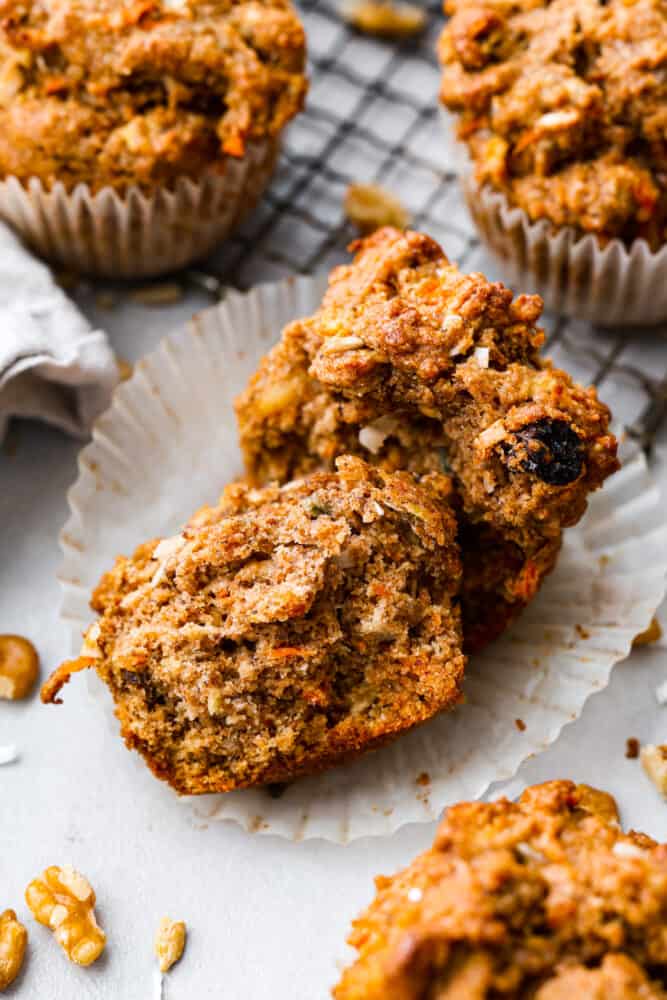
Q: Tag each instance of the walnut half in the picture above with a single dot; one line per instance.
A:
(19, 667)
(370, 207)
(169, 942)
(385, 19)
(64, 900)
(13, 940)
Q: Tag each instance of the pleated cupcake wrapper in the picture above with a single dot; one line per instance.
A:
(169, 444)
(137, 235)
(611, 285)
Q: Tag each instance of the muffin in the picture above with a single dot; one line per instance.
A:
(136, 135)
(562, 106)
(415, 365)
(544, 898)
(284, 630)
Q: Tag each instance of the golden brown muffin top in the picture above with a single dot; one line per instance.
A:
(564, 107)
(142, 91)
(520, 900)
(403, 333)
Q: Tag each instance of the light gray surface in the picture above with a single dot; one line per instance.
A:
(267, 918)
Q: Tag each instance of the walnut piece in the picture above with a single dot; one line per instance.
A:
(370, 207)
(19, 667)
(652, 634)
(169, 942)
(64, 900)
(13, 939)
(388, 20)
(125, 369)
(654, 762)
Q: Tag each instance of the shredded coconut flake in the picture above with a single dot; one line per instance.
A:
(452, 321)
(336, 345)
(415, 895)
(8, 754)
(529, 852)
(374, 435)
(90, 647)
(482, 356)
(164, 550)
(624, 849)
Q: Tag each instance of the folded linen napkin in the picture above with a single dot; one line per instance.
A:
(53, 366)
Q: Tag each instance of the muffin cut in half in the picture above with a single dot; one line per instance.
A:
(283, 630)
(545, 898)
(413, 364)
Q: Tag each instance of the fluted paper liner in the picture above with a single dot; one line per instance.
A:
(169, 444)
(610, 285)
(137, 235)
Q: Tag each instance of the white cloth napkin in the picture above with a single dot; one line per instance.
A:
(53, 366)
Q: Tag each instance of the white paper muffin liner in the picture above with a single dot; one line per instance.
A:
(614, 285)
(137, 235)
(609, 285)
(168, 444)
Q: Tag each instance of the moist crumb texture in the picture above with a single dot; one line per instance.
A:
(413, 364)
(283, 630)
(142, 92)
(563, 106)
(542, 899)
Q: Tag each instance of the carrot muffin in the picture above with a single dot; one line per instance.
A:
(142, 92)
(284, 630)
(544, 898)
(415, 365)
(183, 100)
(563, 106)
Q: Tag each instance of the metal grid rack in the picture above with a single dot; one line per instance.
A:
(372, 116)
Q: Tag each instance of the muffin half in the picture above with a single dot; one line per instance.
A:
(282, 631)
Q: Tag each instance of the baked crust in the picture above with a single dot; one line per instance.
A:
(409, 362)
(143, 92)
(543, 898)
(284, 630)
(563, 106)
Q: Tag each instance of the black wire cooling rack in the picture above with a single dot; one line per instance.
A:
(372, 116)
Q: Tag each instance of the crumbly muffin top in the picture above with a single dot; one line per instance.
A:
(564, 108)
(544, 898)
(403, 333)
(142, 92)
(283, 629)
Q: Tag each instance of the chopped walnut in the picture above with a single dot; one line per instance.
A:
(64, 900)
(163, 294)
(632, 748)
(19, 666)
(652, 634)
(13, 940)
(388, 20)
(124, 367)
(169, 942)
(370, 207)
(654, 762)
